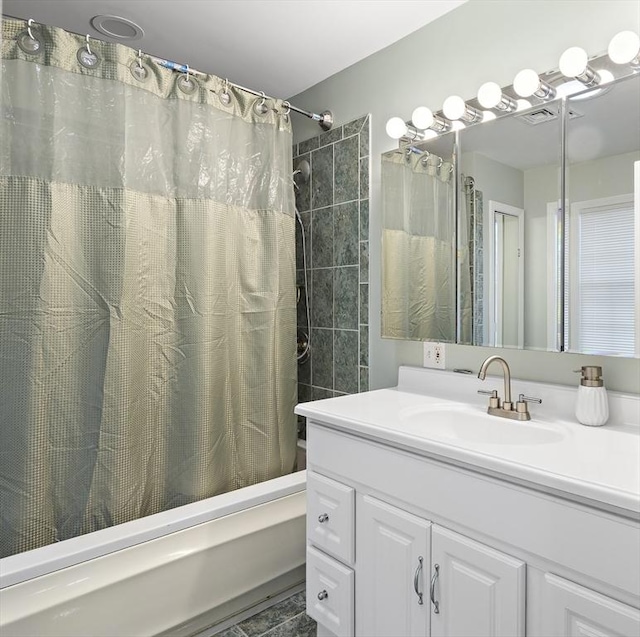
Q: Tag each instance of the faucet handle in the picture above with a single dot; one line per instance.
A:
(528, 399)
(494, 401)
(521, 405)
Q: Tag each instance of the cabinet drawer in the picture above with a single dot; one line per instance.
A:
(330, 516)
(330, 593)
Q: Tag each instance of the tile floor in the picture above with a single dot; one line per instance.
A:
(285, 619)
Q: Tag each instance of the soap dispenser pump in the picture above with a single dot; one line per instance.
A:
(592, 407)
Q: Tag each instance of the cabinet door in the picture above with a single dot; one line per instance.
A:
(477, 591)
(392, 558)
(574, 611)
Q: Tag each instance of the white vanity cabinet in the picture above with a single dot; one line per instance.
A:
(403, 544)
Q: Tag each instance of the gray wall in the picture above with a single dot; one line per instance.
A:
(481, 40)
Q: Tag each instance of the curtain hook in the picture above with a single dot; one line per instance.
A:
(187, 71)
(263, 101)
(287, 106)
(140, 58)
(88, 47)
(29, 25)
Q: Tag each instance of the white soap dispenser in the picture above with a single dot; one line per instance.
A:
(592, 406)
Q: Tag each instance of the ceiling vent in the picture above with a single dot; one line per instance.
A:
(116, 27)
(542, 115)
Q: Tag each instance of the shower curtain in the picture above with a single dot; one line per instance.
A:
(147, 288)
(418, 256)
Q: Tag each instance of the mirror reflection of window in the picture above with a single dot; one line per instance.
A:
(600, 313)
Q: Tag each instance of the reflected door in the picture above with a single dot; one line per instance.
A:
(506, 275)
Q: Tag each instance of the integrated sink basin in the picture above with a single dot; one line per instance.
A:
(464, 423)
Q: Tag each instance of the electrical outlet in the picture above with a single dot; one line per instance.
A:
(434, 355)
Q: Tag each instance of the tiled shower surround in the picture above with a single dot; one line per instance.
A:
(334, 206)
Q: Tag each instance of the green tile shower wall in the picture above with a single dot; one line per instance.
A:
(334, 206)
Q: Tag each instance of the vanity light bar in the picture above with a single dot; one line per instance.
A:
(624, 49)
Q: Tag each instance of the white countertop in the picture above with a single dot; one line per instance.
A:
(599, 464)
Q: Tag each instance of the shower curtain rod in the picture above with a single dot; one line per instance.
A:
(324, 119)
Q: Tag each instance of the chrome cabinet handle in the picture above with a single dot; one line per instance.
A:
(436, 605)
(323, 518)
(416, 581)
(323, 595)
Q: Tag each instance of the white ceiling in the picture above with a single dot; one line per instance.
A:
(281, 47)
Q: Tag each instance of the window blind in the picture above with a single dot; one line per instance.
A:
(605, 280)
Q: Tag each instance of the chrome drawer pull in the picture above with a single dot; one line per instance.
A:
(416, 581)
(323, 518)
(436, 605)
(323, 595)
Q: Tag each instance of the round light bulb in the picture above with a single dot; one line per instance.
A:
(422, 117)
(430, 134)
(454, 107)
(523, 105)
(573, 62)
(396, 128)
(489, 95)
(605, 76)
(526, 83)
(488, 116)
(624, 47)
(457, 125)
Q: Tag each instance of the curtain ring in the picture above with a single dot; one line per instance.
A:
(29, 23)
(88, 47)
(260, 107)
(287, 106)
(440, 162)
(224, 95)
(140, 59)
(187, 71)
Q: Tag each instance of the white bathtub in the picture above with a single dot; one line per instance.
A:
(179, 572)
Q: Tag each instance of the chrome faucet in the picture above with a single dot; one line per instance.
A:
(519, 411)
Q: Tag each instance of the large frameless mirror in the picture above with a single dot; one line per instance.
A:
(512, 287)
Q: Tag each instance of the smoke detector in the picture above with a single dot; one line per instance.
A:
(116, 27)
